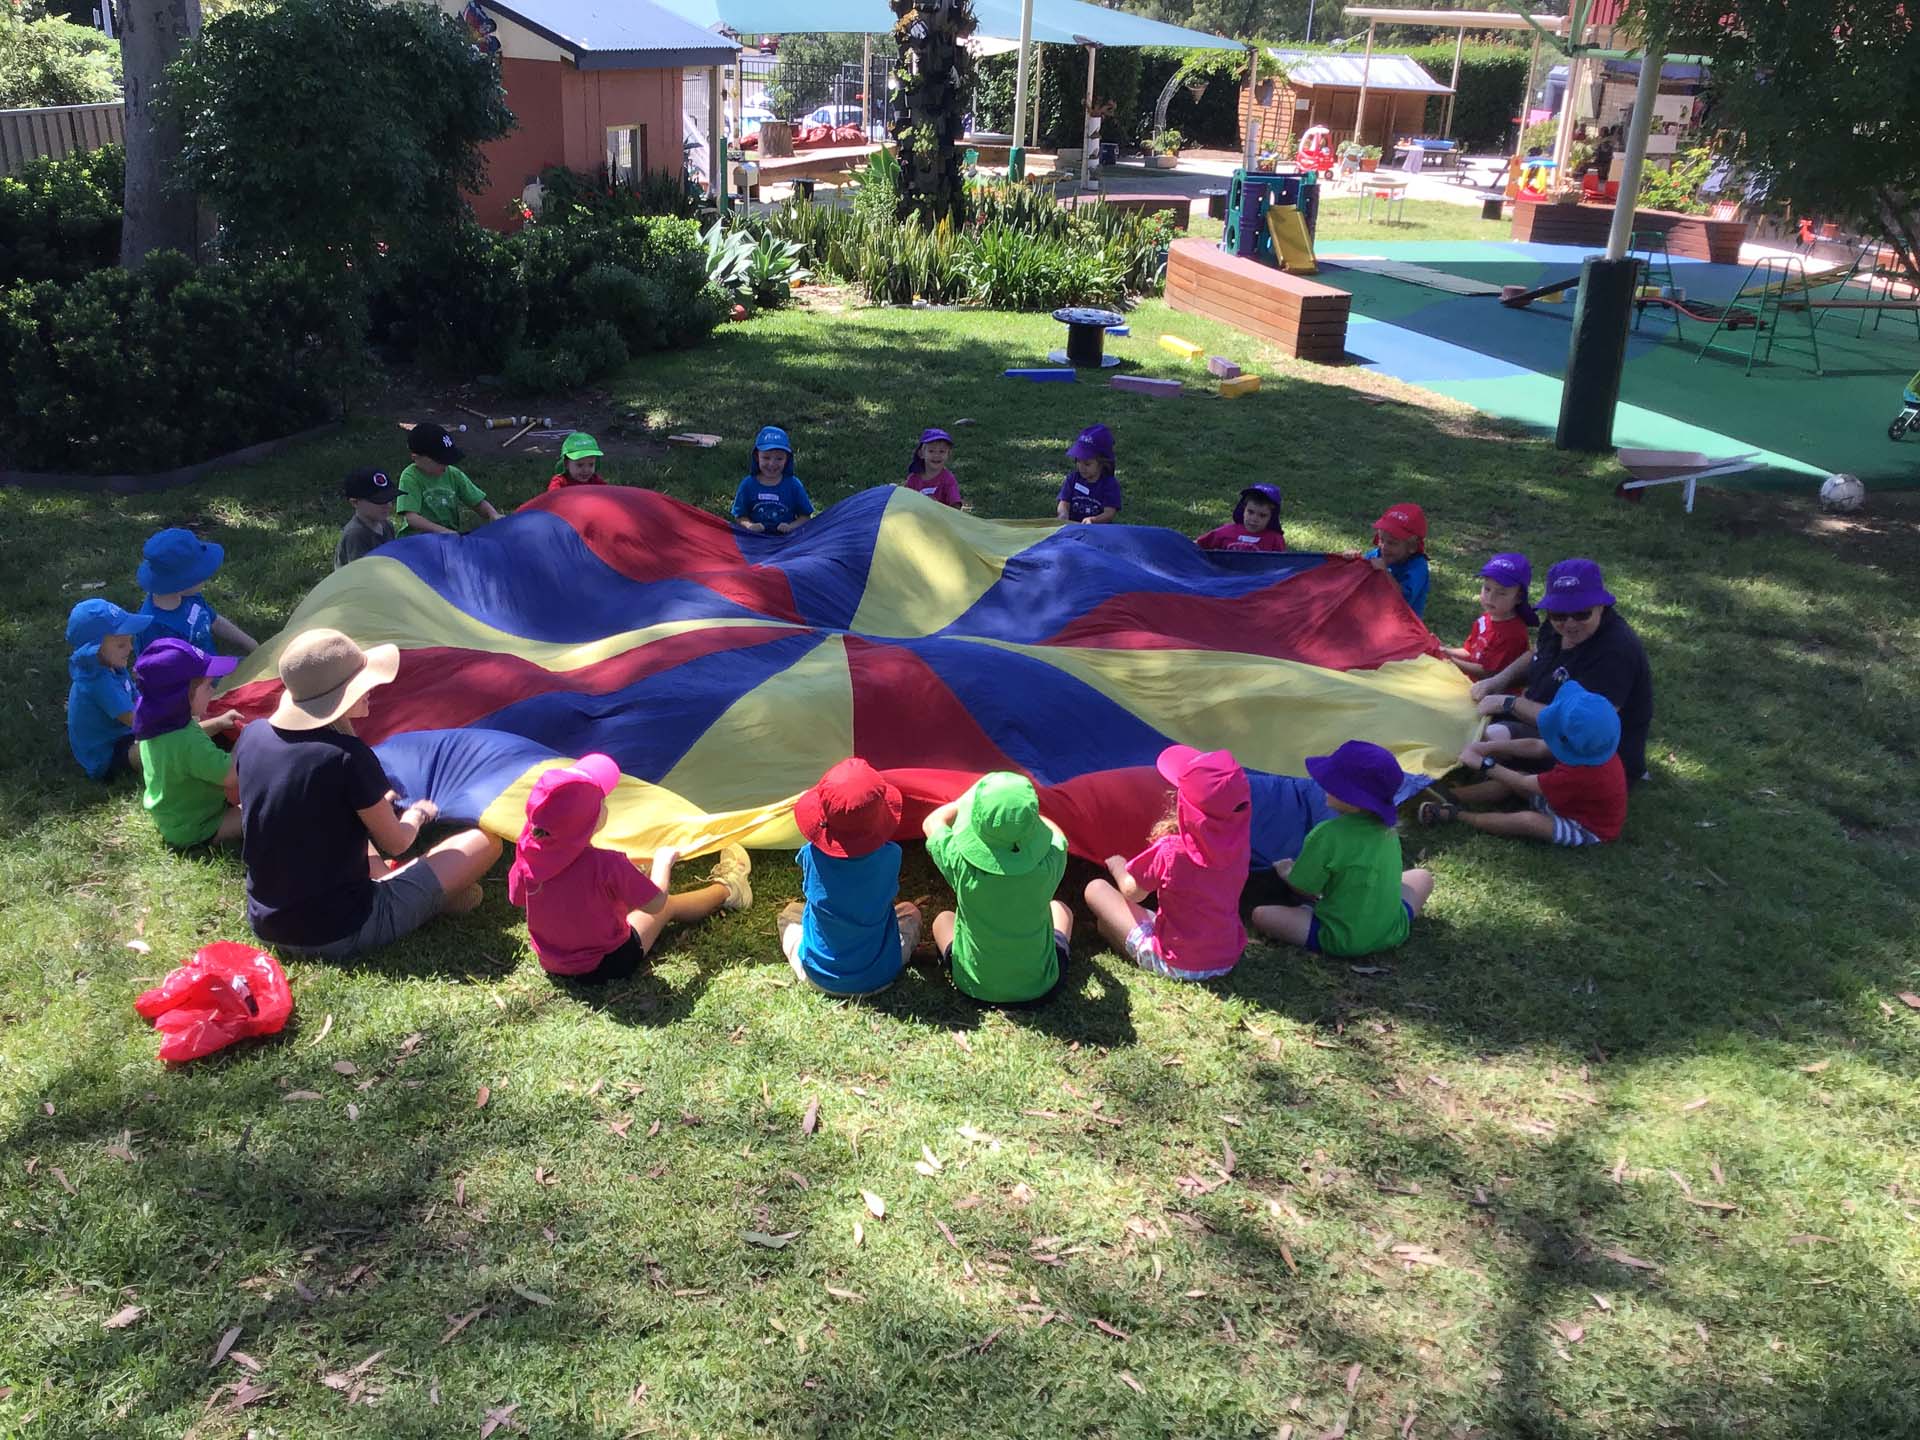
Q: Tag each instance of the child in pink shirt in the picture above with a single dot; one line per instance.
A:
(927, 472)
(1199, 867)
(1256, 523)
(591, 914)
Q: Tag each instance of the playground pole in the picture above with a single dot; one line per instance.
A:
(1017, 156)
(1607, 286)
(1360, 108)
(1252, 138)
(1453, 85)
(717, 138)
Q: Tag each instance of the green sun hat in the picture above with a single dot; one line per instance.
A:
(999, 828)
(579, 446)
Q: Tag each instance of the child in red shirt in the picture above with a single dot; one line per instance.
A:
(927, 472)
(1582, 800)
(1256, 523)
(591, 914)
(1502, 633)
(579, 462)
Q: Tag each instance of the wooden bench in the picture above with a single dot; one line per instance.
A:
(1178, 206)
(1689, 237)
(1304, 318)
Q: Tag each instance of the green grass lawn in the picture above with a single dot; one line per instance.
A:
(1619, 1144)
(1340, 222)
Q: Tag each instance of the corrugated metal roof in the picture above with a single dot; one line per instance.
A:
(1059, 22)
(618, 34)
(1383, 72)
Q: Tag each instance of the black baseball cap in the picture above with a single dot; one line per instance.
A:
(434, 442)
(370, 484)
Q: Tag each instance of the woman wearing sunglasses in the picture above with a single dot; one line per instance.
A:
(1584, 639)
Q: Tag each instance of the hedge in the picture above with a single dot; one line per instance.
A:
(1491, 79)
(61, 218)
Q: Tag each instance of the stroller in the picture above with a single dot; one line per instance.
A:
(1909, 416)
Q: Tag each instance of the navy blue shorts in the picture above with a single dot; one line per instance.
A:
(1313, 928)
(621, 964)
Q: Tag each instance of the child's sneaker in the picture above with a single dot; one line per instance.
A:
(730, 869)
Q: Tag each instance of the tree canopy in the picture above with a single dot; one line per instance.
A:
(48, 60)
(1817, 101)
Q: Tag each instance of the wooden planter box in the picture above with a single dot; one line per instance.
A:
(1690, 237)
(1304, 318)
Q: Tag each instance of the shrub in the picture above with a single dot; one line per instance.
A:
(1677, 187)
(569, 196)
(48, 60)
(168, 364)
(61, 218)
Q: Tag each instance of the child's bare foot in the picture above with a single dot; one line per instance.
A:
(461, 901)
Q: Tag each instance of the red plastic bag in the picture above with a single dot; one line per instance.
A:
(227, 992)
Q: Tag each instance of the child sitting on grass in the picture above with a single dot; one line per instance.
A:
(1090, 495)
(1362, 902)
(1007, 937)
(591, 914)
(433, 490)
(1256, 523)
(1197, 861)
(100, 699)
(1502, 633)
(371, 492)
(192, 789)
(927, 472)
(849, 937)
(580, 456)
(174, 565)
(1400, 549)
(1581, 800)
(771, 500)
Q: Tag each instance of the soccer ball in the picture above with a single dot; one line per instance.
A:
(1842, 493)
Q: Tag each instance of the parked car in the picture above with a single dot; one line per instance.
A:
(834, 115)
(751, 118)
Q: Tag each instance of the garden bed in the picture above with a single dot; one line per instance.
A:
(1689, 237)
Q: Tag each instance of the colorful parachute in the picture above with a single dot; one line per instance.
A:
(726, 672)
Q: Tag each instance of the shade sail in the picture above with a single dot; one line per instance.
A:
(619, 34)
(1055, 22)
(1376, 72)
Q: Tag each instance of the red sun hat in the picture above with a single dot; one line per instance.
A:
(853, 811)
(1405, 521)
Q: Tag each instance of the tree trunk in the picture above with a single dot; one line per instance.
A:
(161, 214)
(935, 72)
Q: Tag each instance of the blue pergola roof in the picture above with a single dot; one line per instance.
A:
(1056, 22)
(618, 34)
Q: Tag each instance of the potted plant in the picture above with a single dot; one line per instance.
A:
(1166, 150)
(1369, 157)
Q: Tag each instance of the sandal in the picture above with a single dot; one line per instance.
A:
(1437, 812)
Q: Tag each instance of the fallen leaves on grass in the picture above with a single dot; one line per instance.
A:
(544, 1176)
(226, 1343)
(947, 1231)
(619, 1125)
(461, 1324)
(1353, 1378)
(810, 1121)
(859, 1234)
(876, 1207)
(839, 1294)
(1021, 1194)
(1573, 1334)
(1287, 1256)
(1126, 1379)
(1418, 1255)
(496, 1417)
(929, 1164)
(769, 1242)
(1114, 1330)
(1601, 1300)
(1693, 1105)
(1815, 1068)
(978, 1347)
(300, 1095)
(1632, 1262)
(1811, 1240)
(139, 947)
(123, 1317)
(122, 1149)
(532, 1296)
(1910, 1000)
(345, 1067)
(480, 1099)
(326, 1029)
(1719, 1207)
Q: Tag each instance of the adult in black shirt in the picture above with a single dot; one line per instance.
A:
(313, 795)
(1584, 639)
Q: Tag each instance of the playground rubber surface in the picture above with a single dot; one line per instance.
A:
(1509, 363)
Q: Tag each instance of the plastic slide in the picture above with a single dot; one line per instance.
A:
(1290, 240)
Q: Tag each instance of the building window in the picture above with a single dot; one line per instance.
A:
(627, 152)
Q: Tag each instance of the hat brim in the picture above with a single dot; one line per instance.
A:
(848, 841)
(1080, 451)
(219, 665)
(1174, 762)
(1017, 859)
(1596, 598)
(1324, 773)
(601, 770)
(317, 712)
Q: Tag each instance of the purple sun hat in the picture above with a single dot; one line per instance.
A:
(165, 673)
(918, 466)
(1510, 567)
(1093, 443)
(1362, 774)
(1263, 491)
(1574, 585)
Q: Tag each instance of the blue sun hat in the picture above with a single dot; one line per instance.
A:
(92, 621)
(771, 437)
(1580, 727)
(177, 562)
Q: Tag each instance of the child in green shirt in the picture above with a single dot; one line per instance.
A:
(1349, 867)
(192, 790)
(1007, 940)
(433, 490)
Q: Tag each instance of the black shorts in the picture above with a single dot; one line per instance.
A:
(621, 964)
(121, 761)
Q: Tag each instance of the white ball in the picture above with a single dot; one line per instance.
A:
(1843, 493)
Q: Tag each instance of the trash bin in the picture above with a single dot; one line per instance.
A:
(1491, 206)
(1109, 152)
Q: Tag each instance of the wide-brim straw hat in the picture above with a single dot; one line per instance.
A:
(325, 674)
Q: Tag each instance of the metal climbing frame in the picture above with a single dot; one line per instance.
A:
(1772, 282)
(1649, 248)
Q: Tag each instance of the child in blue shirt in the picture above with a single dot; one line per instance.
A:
(174, 565)
(1400, 549)
(849, 937)
(771, 500)
(100, 700)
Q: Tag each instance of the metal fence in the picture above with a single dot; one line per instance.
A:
(57, 130)
(808, 91)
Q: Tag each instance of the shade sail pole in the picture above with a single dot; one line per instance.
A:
(1087, 154)
(1360, 109)
(1459, 40)
(1253, 116)
(1635, 160)
(1017, 157)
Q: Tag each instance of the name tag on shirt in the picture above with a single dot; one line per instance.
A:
(1079, 488)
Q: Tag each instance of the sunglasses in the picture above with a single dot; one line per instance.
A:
(1573, 617)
